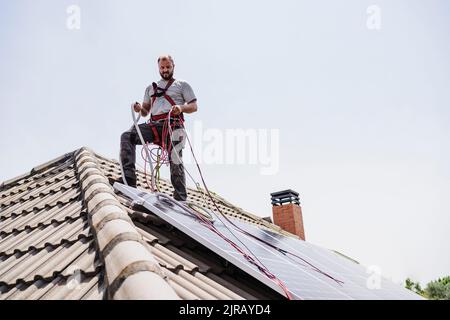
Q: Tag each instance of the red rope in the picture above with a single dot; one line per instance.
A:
(208, 224)
(165, 147)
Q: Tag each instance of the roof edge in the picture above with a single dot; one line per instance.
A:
(37, 169)
(225, 202)
(131, 270)
(46, 165)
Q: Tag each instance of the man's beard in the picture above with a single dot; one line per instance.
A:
(167, 76)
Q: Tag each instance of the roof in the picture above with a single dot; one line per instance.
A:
(66, 234)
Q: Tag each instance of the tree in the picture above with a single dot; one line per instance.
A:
(438, 289)
(413, 286)
(435, 290)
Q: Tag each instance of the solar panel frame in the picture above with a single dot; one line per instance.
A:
(302, 280)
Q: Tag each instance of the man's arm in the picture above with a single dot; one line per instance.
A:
(189, 96)
(144, 110)
(190, 107)
(186, 108)
(146, 106)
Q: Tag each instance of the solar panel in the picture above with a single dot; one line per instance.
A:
(306, 270)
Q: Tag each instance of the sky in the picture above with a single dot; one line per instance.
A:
(357, 93)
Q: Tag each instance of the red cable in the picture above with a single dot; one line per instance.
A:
(165, 151)
(210, 226)
(207, 223)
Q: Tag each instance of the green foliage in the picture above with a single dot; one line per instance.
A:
(413, 286)
(435, 290)
(438, 289)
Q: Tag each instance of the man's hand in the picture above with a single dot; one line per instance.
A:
(137, 107)
(176, 110)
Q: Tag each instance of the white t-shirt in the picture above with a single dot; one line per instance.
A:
(180, 91)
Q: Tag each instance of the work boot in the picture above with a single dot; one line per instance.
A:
(131, 182)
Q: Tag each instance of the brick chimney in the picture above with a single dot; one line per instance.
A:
(287, 212)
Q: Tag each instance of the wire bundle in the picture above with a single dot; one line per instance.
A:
(162, 157)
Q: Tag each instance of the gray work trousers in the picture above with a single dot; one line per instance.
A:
(128, 141)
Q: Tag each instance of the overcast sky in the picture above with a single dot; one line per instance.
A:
(358, 91)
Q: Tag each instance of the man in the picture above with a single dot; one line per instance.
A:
(166, 95)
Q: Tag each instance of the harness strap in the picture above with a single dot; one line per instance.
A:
(174, 120)
(156, 139)
(168, 98)
(161, 92)
(163, 116)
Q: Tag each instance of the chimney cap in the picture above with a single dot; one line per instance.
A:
(284, 192)
(285, 196)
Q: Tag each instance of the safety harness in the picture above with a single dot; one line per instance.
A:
(174, 120)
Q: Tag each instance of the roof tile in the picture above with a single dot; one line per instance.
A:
(53, 218)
